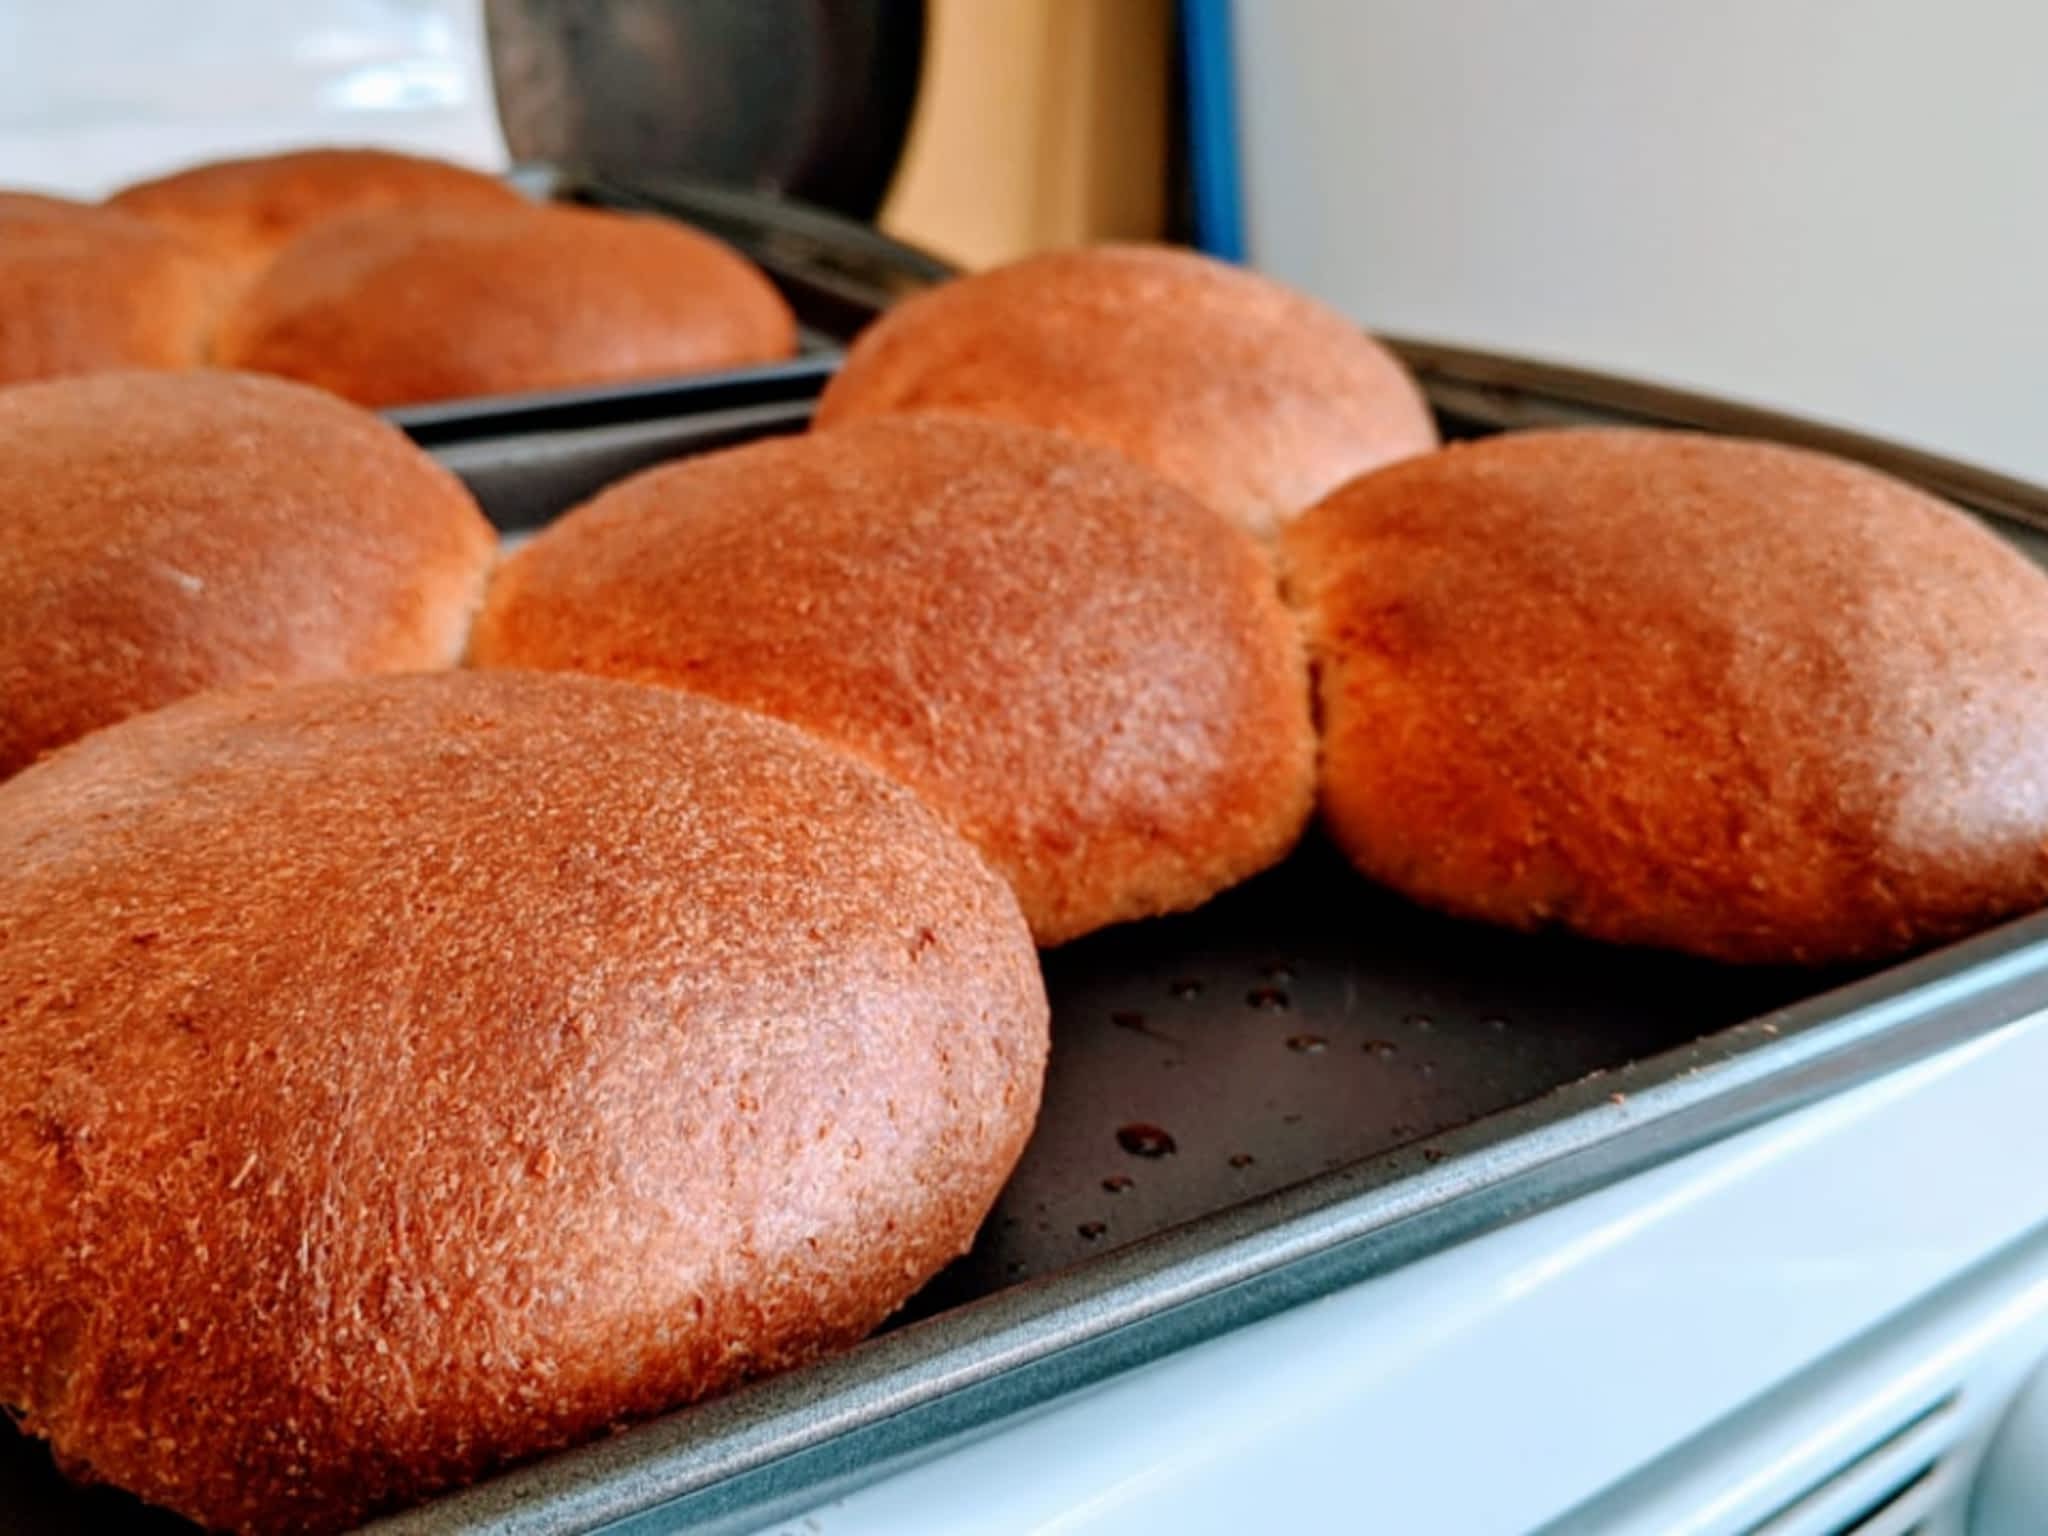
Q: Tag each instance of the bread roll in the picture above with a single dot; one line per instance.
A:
(1702, 694)
(164, 534)
(398, 308)
(16, 204)
(1086, 670)
(407, 1075)
(250, 209)
(84, 290)
(1251, 396)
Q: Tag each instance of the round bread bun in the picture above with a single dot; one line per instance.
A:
(163, 534)
(250, 209)
(409, 1075)
(400, 308)
(1251, 396)
(1702, 694)
(85, 290)
(16, 204)
(1088, 672)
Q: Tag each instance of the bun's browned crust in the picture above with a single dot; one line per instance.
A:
(250, 209)
(163, 534)
(84, 290)
(1701, 694)
(1255, 398)
(1089, 672)
(404, 1075)
(39, 205)
(395, 308)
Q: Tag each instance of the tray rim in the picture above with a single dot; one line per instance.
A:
(481, 418)
(1524, 391)
(787, 1443)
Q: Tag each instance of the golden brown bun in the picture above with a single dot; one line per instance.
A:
(163, 534)
(1255, 398)
(1701, 694)
(1087, 671)
(39, 206)
(407, 1075)
(84, 290)
(397, 308)
(250, 209)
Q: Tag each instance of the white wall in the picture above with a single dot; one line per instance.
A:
(94, 93)
(1834, 206)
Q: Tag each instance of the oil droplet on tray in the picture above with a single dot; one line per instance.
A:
(1187, 988)
(1242, 1159)
(1117, 1183)
(1381, 1048)
(1092, 1229)
(1267, 999)
(1307, 1045)
(1143, 1140)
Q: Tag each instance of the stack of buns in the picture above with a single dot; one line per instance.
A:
(388, 279)
(402, 1075)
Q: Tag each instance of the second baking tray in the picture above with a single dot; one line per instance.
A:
(1306, 1083)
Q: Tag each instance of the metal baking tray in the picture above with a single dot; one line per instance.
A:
(1304, 1084)
(836, 274)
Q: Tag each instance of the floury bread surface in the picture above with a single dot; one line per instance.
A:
(403, 1076)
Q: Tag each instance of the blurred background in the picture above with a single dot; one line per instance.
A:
(1829, 206)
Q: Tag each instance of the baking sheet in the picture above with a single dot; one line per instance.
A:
(1304, 1083)
(1298, 1024)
